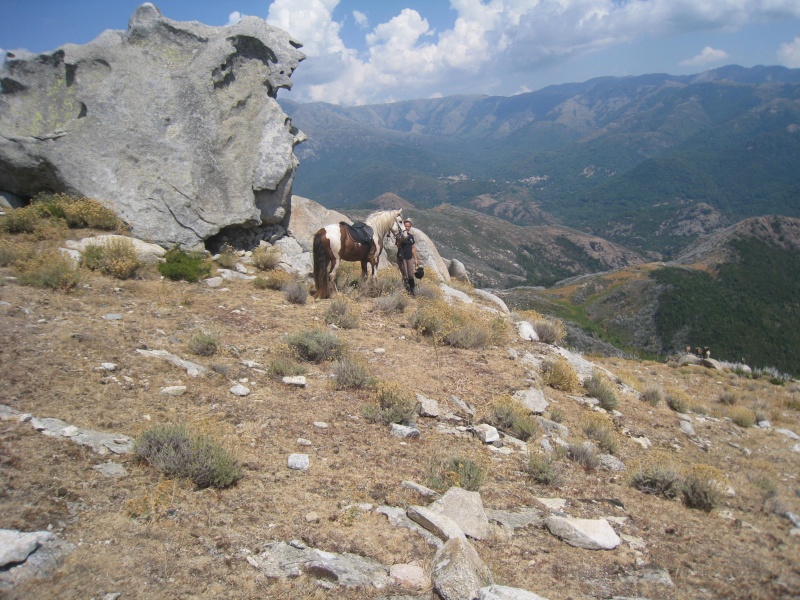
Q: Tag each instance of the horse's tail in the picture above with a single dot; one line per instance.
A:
(321, 262)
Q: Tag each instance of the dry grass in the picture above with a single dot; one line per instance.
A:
(148, 536)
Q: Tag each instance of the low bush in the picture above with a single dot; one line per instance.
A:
(600, 428)
(743, 417)
(544, 469)
(20, 220)
(513, 418)
(52, 270)
(701, 488)
(559, 374)
(351, 373)
(771, 374)
(11, 253)
(443, 473)
(457, 327)
(653, 396)
(316, 345)
(117, 258)
(266, 258)
(342, 313)
(550, 331)
(677, 401)
(285, 366)
(584, 454)
(598, 387)
(657, 478)
(728, 398)
(295, 292)
(273, 280)
(227, 257)
(396, 404)
(204, 343)
(556, 415)
(184, 266)
(396, 302)
(176, 452)
(385, 283)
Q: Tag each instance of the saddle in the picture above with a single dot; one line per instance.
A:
(360, 232)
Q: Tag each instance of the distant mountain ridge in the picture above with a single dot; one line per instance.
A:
(651, 162)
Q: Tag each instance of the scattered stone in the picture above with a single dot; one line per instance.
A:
(423, 491)
(556, 504)
(687, 428)
(611, 462)
(320, 425)
(214, 282)
(303, 442)
(240, 390)
(466, 509)
(458, 571)
(502, 592)
(111, 469)
(299, 462)
(312, 517)
(513, 442)
(590, 534)
(516, 519)
(464, 406)
(108, 366)
(438, 524)
(16, 546)
(113, 317)
(296, 381)
(192, 369)
(404, 431)
(451, 294)
(553, 428)
(102, 443)
(788, 433)
(486, 433)
(427, 407)
(410, 576)
(643, 442)
(527, 332)
(232, 275)
(533, 399)
(173, 390)
(18, 564)
(380, 351)
(397, 517)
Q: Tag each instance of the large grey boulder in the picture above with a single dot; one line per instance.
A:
(308, 217)
(174, 124)
(458, 572)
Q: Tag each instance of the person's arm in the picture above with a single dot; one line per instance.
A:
(414, 254)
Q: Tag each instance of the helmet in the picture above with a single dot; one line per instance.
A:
(419, 273)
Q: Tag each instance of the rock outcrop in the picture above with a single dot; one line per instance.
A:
(175, 124)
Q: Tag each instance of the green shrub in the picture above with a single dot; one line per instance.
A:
(559, 374)
(584, 454)
(396, 404)
(743, 417)
(20, 220)
(677, 401)
(544, 469)
(117, 258)
(285, 366)
(295, 292)
(227, 257)
(597, 387)
(315, 345)
(701, 488)
(599, 427)
(342, 313)
(550, 331)
(266, 258)
(653, 396)
(556, 415)
(513, 418)
(455, 471)
(657, 479)
(52, 270)
(184, 266)
(204, 343)
(396, 302)
(350, 373)
(11, 253)
(176, 452)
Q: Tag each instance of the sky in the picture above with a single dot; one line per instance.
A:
(376, 51)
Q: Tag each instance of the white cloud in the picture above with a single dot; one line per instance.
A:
(234, 18)
(360, 19)
(708, 55)
(493, 41)
(789, 54)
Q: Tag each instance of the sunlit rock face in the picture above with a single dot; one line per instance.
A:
(175, 124)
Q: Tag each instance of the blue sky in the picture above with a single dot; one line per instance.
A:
(375, 51)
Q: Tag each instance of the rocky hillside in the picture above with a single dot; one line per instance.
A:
(333, 503)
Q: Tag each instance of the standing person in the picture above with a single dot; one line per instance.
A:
(407, 257)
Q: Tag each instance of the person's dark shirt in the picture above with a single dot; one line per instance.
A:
(404, 249)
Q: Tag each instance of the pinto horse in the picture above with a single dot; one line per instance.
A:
(335, 243)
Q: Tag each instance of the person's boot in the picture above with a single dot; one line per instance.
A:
(407, 285)
(411, 285)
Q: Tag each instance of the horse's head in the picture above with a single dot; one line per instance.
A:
(397, 228)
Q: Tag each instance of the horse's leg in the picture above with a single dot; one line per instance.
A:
(364, 270)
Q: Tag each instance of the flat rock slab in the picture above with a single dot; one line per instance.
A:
(515, 519)
(192, 369)
(458, 571)
(466, 509)
(438, 524)
(503, 592)
(281, 559)
(47, 555)
(533, 399)
(16, 546)
(102, 443)
(590, 534)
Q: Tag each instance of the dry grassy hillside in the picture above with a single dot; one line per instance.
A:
(145, 536)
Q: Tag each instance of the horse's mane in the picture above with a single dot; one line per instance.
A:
(382, 220)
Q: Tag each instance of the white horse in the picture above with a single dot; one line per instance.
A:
(335, 243)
